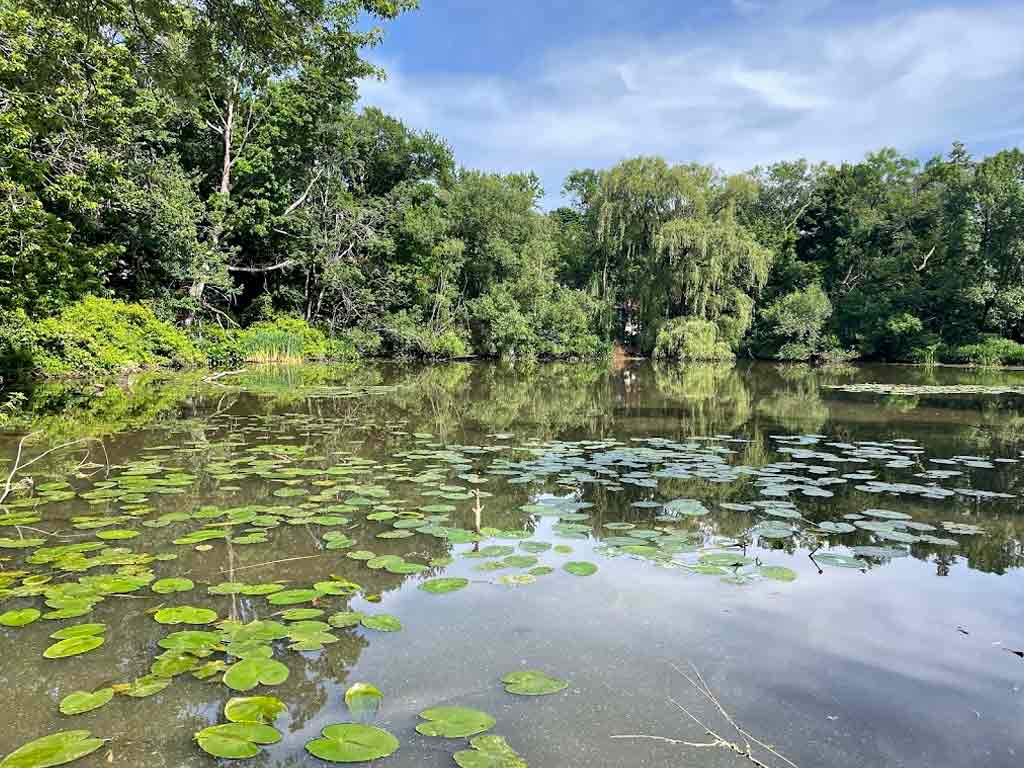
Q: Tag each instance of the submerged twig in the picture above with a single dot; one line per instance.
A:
(271, 562)
(18, 466)
(743, 750)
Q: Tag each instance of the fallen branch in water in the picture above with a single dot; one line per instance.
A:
(744, 750)
(271, 562)
(18, 466)
(222, 374)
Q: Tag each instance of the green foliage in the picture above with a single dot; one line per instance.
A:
(991, 352)
(690, 339)
(794, 326)
(97, 336)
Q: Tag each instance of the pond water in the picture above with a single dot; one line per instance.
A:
(843, 567)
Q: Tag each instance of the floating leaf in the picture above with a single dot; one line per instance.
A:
(56, 749)
(489, 752)
(777, 573)
(185, 614)
(532, 683)
(363, 700)
(454, 722)
(254, 709)
(248, 673)
(19, 618)
(344, 619)
(73, 646)
(837, 561)
(382, 622)
(79, 630)
(580, 568)
(236, 740)
(352, 743)
(83, 701)
(169, 586)
(443, 586)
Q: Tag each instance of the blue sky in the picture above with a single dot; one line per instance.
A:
(552, 86)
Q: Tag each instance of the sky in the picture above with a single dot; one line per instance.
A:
(554, 85)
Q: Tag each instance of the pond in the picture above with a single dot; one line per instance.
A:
(767, 552)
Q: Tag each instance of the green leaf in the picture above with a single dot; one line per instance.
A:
(352, 743)
(382, 622)
(532, 683)
(363, 700)
(777, 573)
(344, 619)
(82, 701)
(294, 596)
(454, 722)
(580, 568)
(254, 709)
(443, 586)
(79, 630)
(248, 673)
(19, 618)
(73, 646)
(56, 749)
(236, 740)
(168, 586)
(489, 752)
(185, 614)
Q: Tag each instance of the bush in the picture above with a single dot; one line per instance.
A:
(690, 338)
(796, 324)
(289, 340)
(96, 336)
(991, 352)
(406, 335)
(899, 337)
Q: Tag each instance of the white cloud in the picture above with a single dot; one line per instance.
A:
(915, 81)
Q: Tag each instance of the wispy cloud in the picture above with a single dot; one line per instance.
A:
(912, 80)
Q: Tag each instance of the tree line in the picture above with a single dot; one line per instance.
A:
(202, 167)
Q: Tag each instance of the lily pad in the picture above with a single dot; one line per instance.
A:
(443, 586)
(73, 646)
(532, 683)
(454, 722)
(489, 752)
(254, 709)
(580, 568)
(56, 749)
(363, 701)
(19, 618)
(381, 622)
(185, 614)
(169, 586)
(777, 573)
(236, 740)
(248, 673)
(352, 743)
(83, 701)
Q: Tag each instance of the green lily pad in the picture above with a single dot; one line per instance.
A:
(489, 752)
(381, 622)
(352, 743)
(345, 619)
(532, 683)
(236, 740)
(79, 630)
(294, 596)
(837, 560)
(83, 701)
(19, 618)
(248, 673)
(725, 559)
(777, 573)
(254, 709)
(56, 749)
(169, 586)
(580, 568)
(454, 722)
(185, 614)
(73, 646)
(363, 701)
(443, 586)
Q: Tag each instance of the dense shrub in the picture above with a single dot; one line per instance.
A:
(96, 336)
(405, 334)
(795, 324)
(899, 338)
(281, 340)
(690, 338)
(992, 351)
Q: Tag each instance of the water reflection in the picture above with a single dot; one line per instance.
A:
(243, 439)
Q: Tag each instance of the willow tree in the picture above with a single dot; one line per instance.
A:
(711, 268)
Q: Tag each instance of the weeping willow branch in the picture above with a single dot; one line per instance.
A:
(742, 750)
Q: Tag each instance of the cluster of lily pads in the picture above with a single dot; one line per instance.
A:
(422, 491)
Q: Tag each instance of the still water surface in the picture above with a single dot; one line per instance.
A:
(892, 646)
